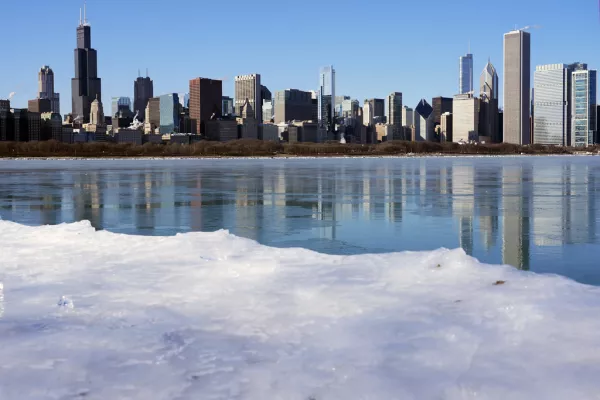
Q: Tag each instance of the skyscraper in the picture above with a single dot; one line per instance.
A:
(488, 113)
(465, 74)
(248, 87)
(46, 88)
(206, 102)
(85, 86)
(517, 77)
(583, 126)
(326, 98)
(394, 117)
(143, 90)
(424, 127)
(552, 118)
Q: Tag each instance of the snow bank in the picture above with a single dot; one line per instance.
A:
(96, 315)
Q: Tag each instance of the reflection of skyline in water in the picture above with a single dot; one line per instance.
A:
(498, 210)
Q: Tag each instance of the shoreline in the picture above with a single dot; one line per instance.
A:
(292, 157)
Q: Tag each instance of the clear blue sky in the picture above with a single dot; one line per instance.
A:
(375, 46)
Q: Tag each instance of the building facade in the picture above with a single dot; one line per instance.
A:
(517, 82)
(446, 133)
(440, 106)
(143, 90)
(552, 104)
(206, 100)
(39, 105)
(326, 99)
(465, 118)
(488, 113)
(465, 74)
(407, 116)
(85, 86)
(46, 88)
(169, 113)
(584, 107)
(227, 106)
(248, 88)
(293, 104)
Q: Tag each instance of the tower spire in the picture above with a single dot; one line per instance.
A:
(84, 12)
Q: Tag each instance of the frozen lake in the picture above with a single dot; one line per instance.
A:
(536, 213)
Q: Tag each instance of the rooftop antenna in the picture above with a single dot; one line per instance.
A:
(139, 73)
(146, 72)
(84, 13)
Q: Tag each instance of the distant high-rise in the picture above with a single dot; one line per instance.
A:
(326, 98)
(584, 106)
(394, 111)
(465, 74)
(169, 113)
(227, 106)
(248, 87)
(206, 102)
(440, 106)
(517, 77)
(552, 118)
(378, 108)
(46, 88)
(143, 90)
(85, 86)
(293, 104)
(120, 104)
(488, 113)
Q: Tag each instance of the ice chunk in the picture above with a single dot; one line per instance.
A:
(65, 302)
(156, 320)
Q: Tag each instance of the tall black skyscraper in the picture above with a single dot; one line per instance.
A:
(143, 90)
(86, 86)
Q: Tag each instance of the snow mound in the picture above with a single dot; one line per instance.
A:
(214, 316)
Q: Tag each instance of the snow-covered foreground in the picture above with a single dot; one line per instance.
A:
(97, 315)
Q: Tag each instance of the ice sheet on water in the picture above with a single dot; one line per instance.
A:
(214, 316)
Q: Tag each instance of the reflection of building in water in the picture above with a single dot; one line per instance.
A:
(463, 203)
(487, 203)
(564, 210)
(1, 299)
(516, 195)
(550, 203)
(580, 187)
(88, 199)
(248, 204)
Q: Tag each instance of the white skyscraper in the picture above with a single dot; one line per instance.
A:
(465, 118)
(465, 74)
(552, 88)
(247, 87)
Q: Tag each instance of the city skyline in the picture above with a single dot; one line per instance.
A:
(299, 73)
